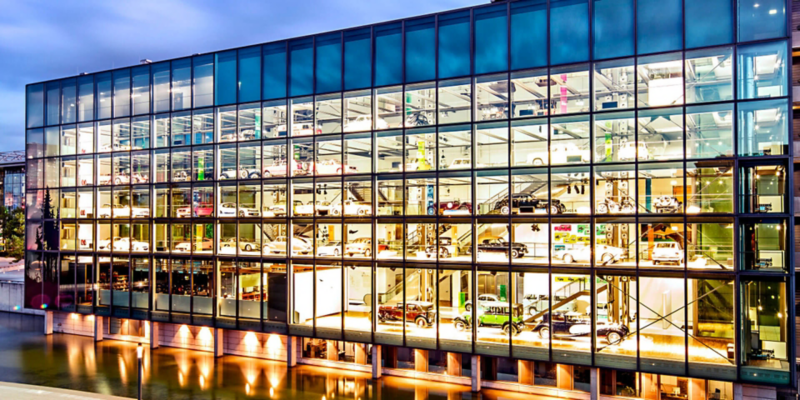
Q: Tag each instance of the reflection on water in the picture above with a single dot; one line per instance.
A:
(109, 367)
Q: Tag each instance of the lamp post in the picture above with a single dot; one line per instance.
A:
(139, 353)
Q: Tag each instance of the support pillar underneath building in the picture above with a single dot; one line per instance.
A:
(525, 372)
(361, 354)
(48, 322)
(98, 328)
(376, 361)
(563, 376)
(332, 350)
(476, 373)
(420, 360)
(219, 343)
(153, 334)
(454, 364)
(291, 351)
(594, 383)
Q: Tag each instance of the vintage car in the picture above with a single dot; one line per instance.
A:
(229, 210)
(536, 159)
(106, 243)
(322, 208)
(486, 297)
(446, 249)
(352, 207)
(206, 244)
(245, 134)
(126, 244)
(494, 314)
(604, 254)
(242, 173)
(523, 203)
(330, 249)
(422, 313)
(625, 206)
(278, 168)
(279, 209)
(500, 245)
(140, 212)
(115, 211)
(305, 129)
(332, 167)
(451, 207)
(572, 324)
(568, 153)
(667, 205)
(360, 246)
(300, 245)
(628, 150)
(364, 123)
(461, 163)
(180, 176)
(667, 252)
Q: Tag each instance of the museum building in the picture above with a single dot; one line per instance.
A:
(570, 198)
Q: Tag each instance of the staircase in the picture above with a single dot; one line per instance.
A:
(567, 294)
(268, 230)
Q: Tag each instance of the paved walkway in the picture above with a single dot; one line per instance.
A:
(29, 392)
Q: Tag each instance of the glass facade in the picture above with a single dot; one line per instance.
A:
(580, 183)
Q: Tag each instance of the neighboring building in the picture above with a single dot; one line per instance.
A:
(12, 175)
(547, 200)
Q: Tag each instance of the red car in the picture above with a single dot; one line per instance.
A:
(422, 313)
(451, 207)
(204, 210)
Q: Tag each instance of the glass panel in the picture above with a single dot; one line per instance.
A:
(85, 99)
(140, 132)
(388, 54)
(420, 150)
(570, 90)
(225, 83)
(203, 80)
(34, 105)
(496, 317)
(765, 331)
(249, 122)
(711, 328)
(709, 187)
(122, 93)
(659, 25)
(455, 147)
(303, 117)
(491, 97)
(328, 113)
(140, 93)
(528, 34)
(569, 186)
(420, 104)
(161, 89)
(614, 85)
(762, 71)
(121, 135)
(274, 65)
(357, 70)
(69, 139)
(329, 63)
(570, 140)
(763, 128)
(54, 102)
(358, 111)
(709, 131)
(615, 190)
(102, 92)
(613, 28)
(709, 242)
(389, 108)
(762, 245)
(760, 19)
(762, 189)
(615, 139)
(529, 93)
(454, 45)
(301, 67)
(709, 23)
(660, 134)
(709, 75)
(616, 306)
(181, 84)
(491, 39)
(569, 31)
(68, 101)
(390, 151)
(249, 83)
(420, 45)
(664, 80)
(568, 326)
(274, 116)
(661, 188)
(455, 101)
(492, 142)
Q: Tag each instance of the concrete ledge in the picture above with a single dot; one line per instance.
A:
(19, 391)
(428, 376)
(537, 390)
(335, 364)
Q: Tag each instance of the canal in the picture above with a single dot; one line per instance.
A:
(109, 367)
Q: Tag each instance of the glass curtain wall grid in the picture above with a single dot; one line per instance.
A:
(452, 182)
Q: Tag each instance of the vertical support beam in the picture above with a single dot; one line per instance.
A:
(48, 322)
(98, 328)
(154, 332)
(697, 388)
(564, 377)
(476, 373)
(525, 372)
(650, 386)
(219, 343)
(376, 361)
(420, 392)
(292, 345)
(738, 391)
(361, 353)
(421, 360)
(594, 383)
(331, 350)
(454, 364)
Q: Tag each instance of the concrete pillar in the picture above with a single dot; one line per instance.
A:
(476, 373)
(594, 383)
(219, 342)
(650, 386)
(292, 346)
(48, 322)
(564, 376)
(421, 391)
(98, 328)
(420, 360)
(361, 353)
(154, 334)
(697, 388)
(376, 361)
(738, 391)
(525, 372)
(454, 364)
(332, 351)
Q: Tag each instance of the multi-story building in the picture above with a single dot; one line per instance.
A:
(12, 176)
(554, 197)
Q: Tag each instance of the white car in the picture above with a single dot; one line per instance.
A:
(627, 152)
(330, 249)
(243, 173)
(106, 244)
(140, 212)
(322, 208)
(126, 244)
(115, 211)
(568, 153)
(333, 167)
(230, 210)
(280, 208)
(360, 246)
(352, 207)
(667, 252)
(461, 163)
(604, 254)
(364, 123)
(482, 299)
(300, 245)
(305, 129)
(303, 209)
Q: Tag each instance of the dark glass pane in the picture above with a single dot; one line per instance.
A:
(491, 39)
(182, 84)
(388, 54)
(761, 19)
(102, 91)
(329, 63)
(160, 87)
(613, 28)
(301, 71)
(68, 101)
(357, 59)
(659, 26)
(528, 34)
(86, 98)
(420, 50)
(569, 31)
(53, 111)
(141, 90)
(274, 71)
(122, 93)
(454, 45)
(34, 100)
(708, 22)
(250, 74)
(203, 80)
(225, 78)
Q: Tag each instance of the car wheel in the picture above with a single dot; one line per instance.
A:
(241, 214)
(420, 322)
(656, 262)
(254, 175)
(514, 253)
(468, 307)
(544, 333)
(606, 258)
(368, 253)
(568, 258)
(505, 210)
(538, 162)
(338, 171)
(506, 329)
(248, 247)
(117, 181)
(602, 208)
(445, 253)
(627, 209)
(336, 252)
(267, 174)
(381, 318)
(613, 338)
(431, 211)
(531, 311)
(460, 326)
(362, 212)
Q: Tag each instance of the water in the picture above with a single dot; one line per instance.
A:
(109, 367)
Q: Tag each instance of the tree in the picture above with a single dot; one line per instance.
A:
(12, 224)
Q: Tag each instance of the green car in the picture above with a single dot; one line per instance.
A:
(494, 313)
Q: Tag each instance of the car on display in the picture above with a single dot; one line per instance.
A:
(361, 246)
(364, 123)
(493, 245)
(204, 244)
(180, 176)
(278, 168)
(352, 207)
(446, 249)
(607, 205)
(230, 210)
(300, 245)
(245, 134)
(484, 298)
(461, 163)
(536, 159)
(604, 254)
(322, 208)
(628, 151)
(126, 244)
(418, 118)
(204, 210)
(667, 205)
(572, 324)
(451, 207)
(241, 173)
(568, 153)
(532, 302)
(330, 249)
(279, 208)
(524, 203)
(140, 212)
(667, 252)
(114, 147)
(494, 314)
(422, 313)
(332, 167)
(124, 179)
(244, 245)
(115, 211)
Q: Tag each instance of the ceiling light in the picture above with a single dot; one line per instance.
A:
(773, 11)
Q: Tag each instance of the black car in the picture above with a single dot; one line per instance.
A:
(566, 325)
(523, 203)
(446, 248)
(498, 244)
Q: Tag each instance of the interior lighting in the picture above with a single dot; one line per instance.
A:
(773, 11)
(756, 5)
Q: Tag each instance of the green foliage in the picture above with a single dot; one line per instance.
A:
(12, 226)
